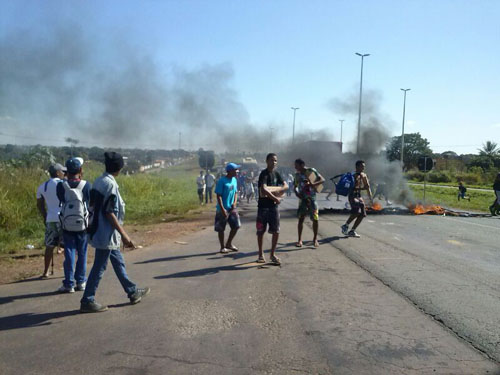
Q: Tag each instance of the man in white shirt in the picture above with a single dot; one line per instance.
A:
(200, 182)
(210, 183)
(48, 206)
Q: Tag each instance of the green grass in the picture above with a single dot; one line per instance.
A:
(453, 184)
(480, 200)
(148, 197)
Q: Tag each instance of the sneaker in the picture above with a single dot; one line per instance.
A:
(139, 293)
(66, 289)
(353, 234)
(92, 307)
(81, 287)
(345, 229)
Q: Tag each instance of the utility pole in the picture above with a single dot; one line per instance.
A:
(360, 98)
(341, 126)
(403, 130)
(294, 109)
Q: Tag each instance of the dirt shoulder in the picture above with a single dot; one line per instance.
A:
(29, 264)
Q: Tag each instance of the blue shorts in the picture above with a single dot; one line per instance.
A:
(233, 219)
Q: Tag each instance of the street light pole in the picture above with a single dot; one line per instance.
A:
(341, 126)
(403, 128)
(293, 133)
(360, 96)
(271, 138)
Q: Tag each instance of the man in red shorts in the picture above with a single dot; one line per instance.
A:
(358, 208)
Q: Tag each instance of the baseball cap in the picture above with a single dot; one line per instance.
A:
(74, 164)
(56, 167)
(232, 166)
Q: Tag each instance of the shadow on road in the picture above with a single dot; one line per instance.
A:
(37, 278)
(8, 299)
(177, 257)
(213, 270)
(27, 320)
(331, 239)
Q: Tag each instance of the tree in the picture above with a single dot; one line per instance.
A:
(489, 149)
(415, 146)
(206, 159)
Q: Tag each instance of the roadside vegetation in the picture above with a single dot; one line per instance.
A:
(158, 195)
(479, 200)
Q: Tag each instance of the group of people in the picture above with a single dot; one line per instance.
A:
(205, 184)
(272, 187)
(75, 211)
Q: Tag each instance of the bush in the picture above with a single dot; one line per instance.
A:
(415, 175)
(439, 176)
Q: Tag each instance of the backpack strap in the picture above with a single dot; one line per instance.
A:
(81, 185)
(45, 186)
(66, 185)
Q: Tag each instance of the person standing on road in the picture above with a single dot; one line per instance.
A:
(48, 206)
(358, 208)
(209, 183)
(495, 207)
(74, 198)
(249, 190)
(305, 190)
(200, 182)
(106, 232)
(268, 210)
(226, 212)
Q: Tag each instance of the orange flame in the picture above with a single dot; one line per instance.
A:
(420, 209)
(376, 206)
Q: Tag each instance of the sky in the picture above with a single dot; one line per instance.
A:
(252, 61)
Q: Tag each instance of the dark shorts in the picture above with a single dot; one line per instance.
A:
(268, 216)
(233, 219)
(357, 206)
(308, 206)
(200, 192)
(53, 234)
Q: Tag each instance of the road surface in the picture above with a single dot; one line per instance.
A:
(414, 295)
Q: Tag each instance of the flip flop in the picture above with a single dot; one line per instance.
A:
(232, 248)
(224, 251)
(261, 260)
(298, 244)
(276, 260)
(316, 244)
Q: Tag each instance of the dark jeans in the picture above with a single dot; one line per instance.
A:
(100, 262)
(75, 243)
(207, 193)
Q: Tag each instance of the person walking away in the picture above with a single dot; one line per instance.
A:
(462, 190)
(74, 198)
(200, 182)
(209, 186)
(290, 181)
(249, 190)
(48, 206)
(495, 207)
(358, 208)
(268, 206)
(226, 212)
(106, 232)
(306, 192)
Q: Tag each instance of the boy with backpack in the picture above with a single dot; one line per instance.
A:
(74, 197)
(106, 233)
(359, 181)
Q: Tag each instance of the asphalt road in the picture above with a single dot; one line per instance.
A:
(414, 295)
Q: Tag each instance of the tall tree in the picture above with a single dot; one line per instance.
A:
(415, 146)
(489, 149)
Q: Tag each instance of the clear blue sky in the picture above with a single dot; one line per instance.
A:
(301, 53)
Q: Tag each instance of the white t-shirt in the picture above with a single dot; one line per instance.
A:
(47, 190)
(210, 178)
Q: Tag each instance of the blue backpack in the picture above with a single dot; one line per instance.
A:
(345, 184)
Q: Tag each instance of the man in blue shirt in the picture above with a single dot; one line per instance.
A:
(227, 197)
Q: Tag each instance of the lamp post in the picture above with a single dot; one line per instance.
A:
(341, 126)
(360, 96)
(294, 109)
(403, 128)
(270, 138)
